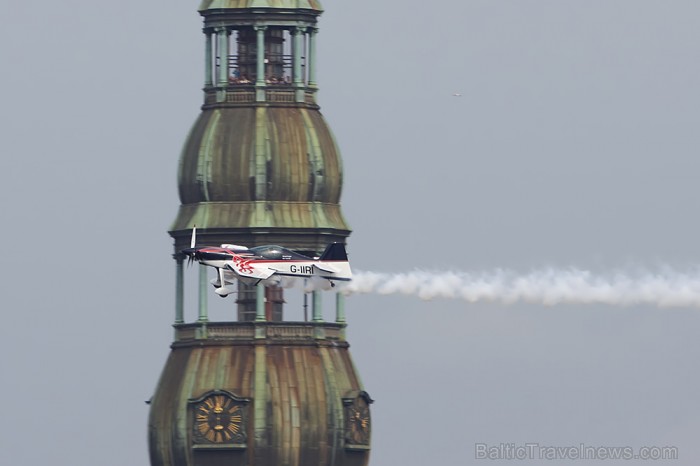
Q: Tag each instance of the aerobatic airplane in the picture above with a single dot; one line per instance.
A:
(271, 262)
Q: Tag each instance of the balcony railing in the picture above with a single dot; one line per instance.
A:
(246, 94)
(295, 332)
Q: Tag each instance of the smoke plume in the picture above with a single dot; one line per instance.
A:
(549, 287)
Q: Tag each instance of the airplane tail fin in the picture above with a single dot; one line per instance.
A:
(334, 252)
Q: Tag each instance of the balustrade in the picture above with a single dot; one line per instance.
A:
(246, 331)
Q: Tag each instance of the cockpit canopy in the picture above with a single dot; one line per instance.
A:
(278, 253)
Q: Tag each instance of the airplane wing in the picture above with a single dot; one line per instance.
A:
(245, 269)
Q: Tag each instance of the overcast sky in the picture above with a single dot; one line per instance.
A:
(574, 143)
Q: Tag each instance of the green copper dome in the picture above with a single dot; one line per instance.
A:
(261, 168)
(248, 154)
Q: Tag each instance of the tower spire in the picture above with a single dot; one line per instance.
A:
(260, 166)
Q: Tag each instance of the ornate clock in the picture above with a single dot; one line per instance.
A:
(358, 424)
(219, 418)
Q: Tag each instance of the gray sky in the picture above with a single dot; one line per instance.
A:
(574, 143)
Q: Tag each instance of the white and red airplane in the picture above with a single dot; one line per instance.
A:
(270, 262)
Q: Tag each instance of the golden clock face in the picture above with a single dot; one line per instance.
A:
(218, 419)
(358, 425)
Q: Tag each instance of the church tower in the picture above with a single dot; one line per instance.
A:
(260, 166)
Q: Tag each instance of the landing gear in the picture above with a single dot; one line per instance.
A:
(222, 291)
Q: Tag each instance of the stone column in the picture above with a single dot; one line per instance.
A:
(339, 308)
(317, 315)
(208, 66)
(260, 303)
(179, 290)
(340, 313)
(260, 64)
(203, 282)
(297, 36)
(260, 330)
(316, 306)
(223, 56)
(312, 57)
(260, 59)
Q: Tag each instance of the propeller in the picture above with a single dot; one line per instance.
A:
(190, 253)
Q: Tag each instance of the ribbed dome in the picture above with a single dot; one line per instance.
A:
(263, 154)
(295, 393)
(272, 170)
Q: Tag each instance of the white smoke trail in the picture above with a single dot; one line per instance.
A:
(549, 287)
